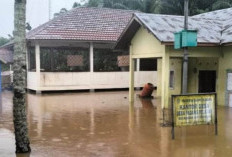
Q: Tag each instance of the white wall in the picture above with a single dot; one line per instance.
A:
(88, 80)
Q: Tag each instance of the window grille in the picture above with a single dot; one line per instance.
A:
(105, 60)
(64, 59)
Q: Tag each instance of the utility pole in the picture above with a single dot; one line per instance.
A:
(185, 57)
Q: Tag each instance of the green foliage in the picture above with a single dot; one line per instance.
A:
(28, 26)
(75, 5)
(62, 11)
(221, 5)
(3, 41)
(148, 6)
(172, 7)
(176, 7)
(94, 3)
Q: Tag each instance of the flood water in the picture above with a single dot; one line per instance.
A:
(104, 124)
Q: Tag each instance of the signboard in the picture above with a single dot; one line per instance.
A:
(195, 109)
(229, 81)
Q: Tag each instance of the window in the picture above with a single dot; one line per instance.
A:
(148, 64)
(31, 59)
(105, 60)
(171, 80)
(64, 59)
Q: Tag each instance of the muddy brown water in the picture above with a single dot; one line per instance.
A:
(104, 124)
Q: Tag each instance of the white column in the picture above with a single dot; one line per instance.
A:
(131, 87)
(91, 57)
(137, 71)
(37, 61)
(138, 65)
(159, 78)
(91, 62)
(165, 81)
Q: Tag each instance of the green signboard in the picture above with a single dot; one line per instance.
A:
(185, 38)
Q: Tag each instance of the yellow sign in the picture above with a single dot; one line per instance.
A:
(194, 109)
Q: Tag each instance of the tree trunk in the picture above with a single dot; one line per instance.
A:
(19, 68)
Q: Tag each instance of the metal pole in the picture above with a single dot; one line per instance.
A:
(185, 57)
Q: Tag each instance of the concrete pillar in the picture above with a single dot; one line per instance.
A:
(137, 71)
(131, 84)
(91, 62)
(37, 61)
(159, 78)
(165, 81)
(91, 59)
(138, 65)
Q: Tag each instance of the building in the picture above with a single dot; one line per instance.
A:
(75, 51)
(6, 59)
(210, 65)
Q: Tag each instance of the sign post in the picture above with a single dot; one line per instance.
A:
(194, 109)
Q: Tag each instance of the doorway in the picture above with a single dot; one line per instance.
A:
(207, 81)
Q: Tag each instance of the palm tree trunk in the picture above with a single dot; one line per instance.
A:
(19, 67)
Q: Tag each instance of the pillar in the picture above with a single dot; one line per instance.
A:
(131, 83)
(138, 65)
(159, 77)
(91, 61)
(165, 81)
(37, 61)
(137, 71)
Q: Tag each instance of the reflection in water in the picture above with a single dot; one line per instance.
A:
(147, 103)
(105, 124)
(131, 116)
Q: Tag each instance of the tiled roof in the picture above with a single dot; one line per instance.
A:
(89, 24)
(213, 27)
(6, 55)
(164, 26)
(223, 14)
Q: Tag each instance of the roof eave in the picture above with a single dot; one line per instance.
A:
(227, 44)
(76, 40)
(120, 44)
(170, 43)
(148, 28)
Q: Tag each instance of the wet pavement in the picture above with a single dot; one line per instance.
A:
(104, 124)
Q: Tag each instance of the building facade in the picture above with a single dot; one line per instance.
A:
(209, 64)
(75, 51)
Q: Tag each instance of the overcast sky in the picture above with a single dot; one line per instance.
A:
(37, 13)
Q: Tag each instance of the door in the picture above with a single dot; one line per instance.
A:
(207, 81)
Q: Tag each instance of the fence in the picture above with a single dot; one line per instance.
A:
(7, 80)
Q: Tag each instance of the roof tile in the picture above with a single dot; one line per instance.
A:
(95, 24)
